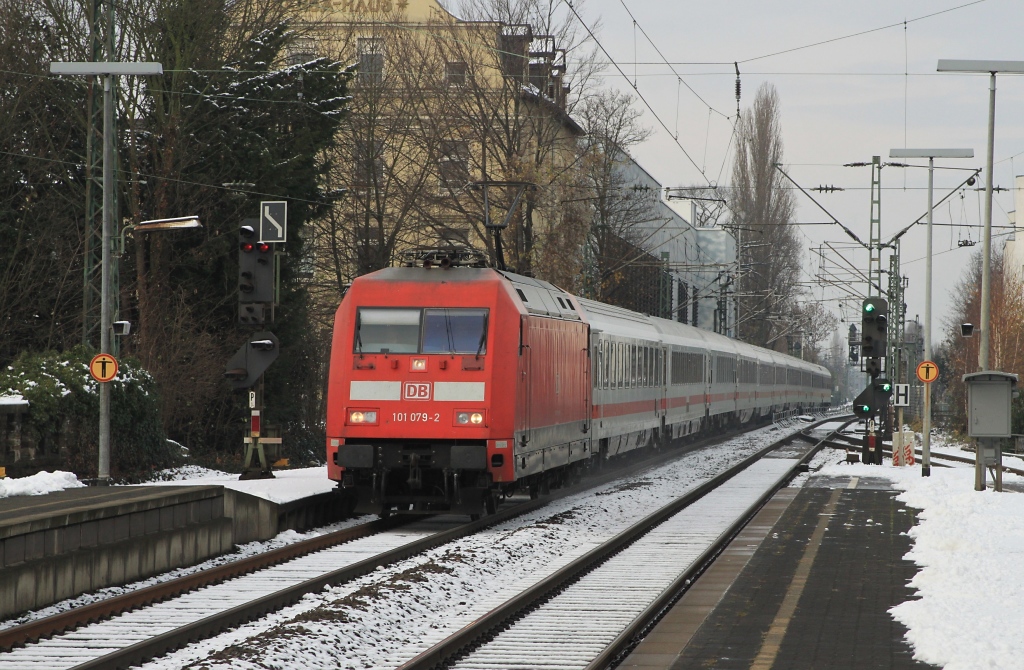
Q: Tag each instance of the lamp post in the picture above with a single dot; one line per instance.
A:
(991, 67)
(108, 70)
(931, 155)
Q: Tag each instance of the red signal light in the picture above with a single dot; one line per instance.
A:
(247, 247)
(263, 247)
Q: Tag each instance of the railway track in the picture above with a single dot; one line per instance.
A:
(602, 598)
(846, 442)
(144, 624)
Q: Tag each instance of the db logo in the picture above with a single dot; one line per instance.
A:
(415, 391)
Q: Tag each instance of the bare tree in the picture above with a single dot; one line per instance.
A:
(514, 114)
(1006, 339)
(814, 325)
(762, 210)
(41, 185)
(619, 209)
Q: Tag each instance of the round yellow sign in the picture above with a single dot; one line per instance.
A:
(927, 371)
(103, 367)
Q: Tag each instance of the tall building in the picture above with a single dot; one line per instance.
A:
(1013, 247)
(454, 123)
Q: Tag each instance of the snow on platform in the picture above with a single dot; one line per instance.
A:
(287, 485)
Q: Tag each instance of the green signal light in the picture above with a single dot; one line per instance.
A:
(865, 408)
(886, 387)
(869, 307)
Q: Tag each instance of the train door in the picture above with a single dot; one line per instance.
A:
(592, 377)
(661, 397)
(709, 380)
(525, 380)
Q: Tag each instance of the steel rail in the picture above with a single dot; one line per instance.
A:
(642, 625)
(848, 442)
(33, 631)
(469, 636)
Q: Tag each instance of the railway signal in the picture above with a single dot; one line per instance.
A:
(251, 360)
(874, 334)
(864, 406)
(854, 341)
(255, 275)
(872, 399)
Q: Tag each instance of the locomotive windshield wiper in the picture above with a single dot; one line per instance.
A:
(359, 334)
(483, 338)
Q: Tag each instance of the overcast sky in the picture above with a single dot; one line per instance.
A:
(842, 101)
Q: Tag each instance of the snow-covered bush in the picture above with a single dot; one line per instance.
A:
(62, 422)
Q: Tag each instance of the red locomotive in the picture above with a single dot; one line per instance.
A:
(450, 386)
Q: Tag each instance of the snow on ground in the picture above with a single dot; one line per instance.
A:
(968, 546)
(38, 484)
(385, 618)
(287, 485)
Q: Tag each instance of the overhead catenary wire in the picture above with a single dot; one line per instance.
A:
(647, 104)
(636, 24)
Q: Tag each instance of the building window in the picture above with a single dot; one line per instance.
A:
(682, 302)
(455, 73)
(513, 45)
(369, 163)
(371, 60)
(453, 164)
(301, 50)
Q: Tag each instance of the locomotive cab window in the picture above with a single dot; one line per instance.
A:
(395, 331)
(459, 331)
(409, 331)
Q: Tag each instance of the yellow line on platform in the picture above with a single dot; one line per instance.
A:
(773, 640)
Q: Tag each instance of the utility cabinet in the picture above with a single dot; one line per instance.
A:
(989, 395)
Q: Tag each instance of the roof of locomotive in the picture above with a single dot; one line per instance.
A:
(430, 275)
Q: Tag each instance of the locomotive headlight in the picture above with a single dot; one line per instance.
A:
(469, 418)
(418, 365)
(362, 417)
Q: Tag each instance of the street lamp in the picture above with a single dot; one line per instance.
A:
(108, 70)
(931, 155)
(158, 224)
(991, 67)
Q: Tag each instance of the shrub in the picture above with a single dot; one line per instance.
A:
(63, 416)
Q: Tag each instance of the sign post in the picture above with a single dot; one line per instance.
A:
(927, 372)
(103, 368)
(902, 441)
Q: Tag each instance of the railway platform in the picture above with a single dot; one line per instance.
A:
(65, 543)
(807, 584)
